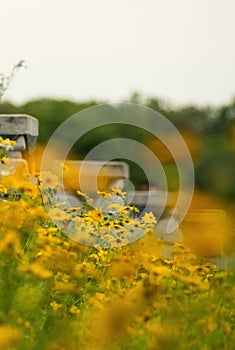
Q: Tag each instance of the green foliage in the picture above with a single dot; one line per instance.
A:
(210, 125)
(215, 172)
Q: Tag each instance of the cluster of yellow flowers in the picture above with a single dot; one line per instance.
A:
(56, 293)
(5, 146)
(110, 225)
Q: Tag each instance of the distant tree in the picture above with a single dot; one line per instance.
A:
(215, 173)
(51, 113)
(208, 131)
(224, 118)
(191, 118)
(8, 108)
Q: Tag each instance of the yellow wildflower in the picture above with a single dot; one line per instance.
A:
(48, 180)
(52, 229)
(74, 310)
(5, 160)
(10, 242)
(94, 256)
(95, 215)
(30, 189)
(102, 253)
(101, 296)
(133, 209)
(58, 215)
(3, 189)
(55, 306)
(115, 206)
(74, 209)
(40, 271)
(84, 195)
(64, 287)
(118, 192)
(7, 141)
(104, 194)
(149, 219)
(8, 336)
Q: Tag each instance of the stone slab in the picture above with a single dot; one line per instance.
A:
(18, 124)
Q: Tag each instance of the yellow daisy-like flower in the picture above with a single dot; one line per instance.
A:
(48, 180)
(115, 206)
(95, 214)
(117, 241)
(8, 336)
(149, 219)
(55, 306)
(94, 257)
(118, 192)
(8, 141)
(7, 144)
(58, 214)
(81, 194)
(40, 271)
(104, 194)
(3, 189)
(74, 310)
(5, 160)
(133, 209)
(74, 209)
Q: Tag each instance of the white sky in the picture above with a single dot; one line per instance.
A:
(180, 50)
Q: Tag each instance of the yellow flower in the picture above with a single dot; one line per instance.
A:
(45, 198)
(118, 192)
(38, 270)
(48, 180)
(3, 189)
(30, 189)
(104, 194)
(115, 206)
(101, 296)
(149, 219)
(7, 144)
(10, 242)
(133, 209)
(5, 160)
(58, 215)
(7, 141)
(52, 229)
(102, 253)
(74, 209)
(94, 256)
(74, 310)
(12, 214)
(84, 195)
(8, 335)
(95, 214)
(55, 306)
(64, 287)
(119, 242)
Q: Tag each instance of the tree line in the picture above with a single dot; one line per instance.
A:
(209, 132)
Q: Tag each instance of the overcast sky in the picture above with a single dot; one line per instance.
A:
(179, 50)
